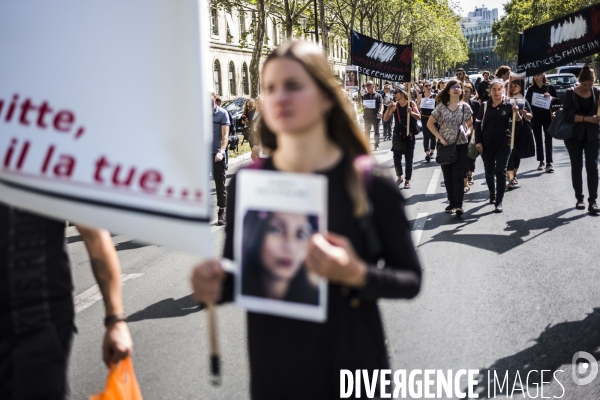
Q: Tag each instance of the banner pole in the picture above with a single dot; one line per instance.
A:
(514, 121)
(215, 361)
(408, 111)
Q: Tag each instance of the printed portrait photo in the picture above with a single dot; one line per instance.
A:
(274, 247)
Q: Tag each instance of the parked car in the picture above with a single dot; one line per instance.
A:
(561, 82)
(235, 107)
(574, 69)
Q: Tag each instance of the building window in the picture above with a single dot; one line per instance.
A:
(217, 78)
(274, 32)
(245, 81)
(232, 90)
(242, 17)
(214, 21)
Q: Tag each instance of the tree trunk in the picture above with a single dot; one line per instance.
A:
(324, 30)
(258, 38)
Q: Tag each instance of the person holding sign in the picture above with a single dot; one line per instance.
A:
(403, 143)
(455, 119)
(540, 95)
(515, 90)
(388, 98)
(372, 112)
(493, 131)
(426, 105)
(581, 106)
(37, 315)
(311, 124)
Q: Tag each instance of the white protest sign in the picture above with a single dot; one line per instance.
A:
(276, 214)
(105, 116)
(369, 103)
(538, 100)
(428, 103)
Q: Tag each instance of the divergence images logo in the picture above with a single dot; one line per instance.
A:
(586, 371)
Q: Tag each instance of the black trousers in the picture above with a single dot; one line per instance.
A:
(514, 162)
(429, 140)
(375, 124)
(495, 162)
(220, 176)
(577, 148)
(538, 123)
(35, 365)
(408, 159)
(470, 165)
(387, 128)
(454, 175)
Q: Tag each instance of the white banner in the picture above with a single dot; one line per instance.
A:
(104, 115)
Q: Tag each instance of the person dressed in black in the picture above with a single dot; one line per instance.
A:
(493, 128)
(468, 92)
(294, 359)
(274, 246)
(581, 107)
(403, 142)
(37, 315)
(372, 112)
(388, 97)
(515, 90)
(542, 117)
(484, 87)
(426, 104)
(455, 119)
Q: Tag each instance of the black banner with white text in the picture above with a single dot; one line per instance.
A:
(380, 59)
(560, 42)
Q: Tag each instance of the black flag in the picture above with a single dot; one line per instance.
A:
(380, 59)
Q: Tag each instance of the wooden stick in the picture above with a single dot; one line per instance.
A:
(598, 113)
(514, 121)
(408, 111)
(215, 362)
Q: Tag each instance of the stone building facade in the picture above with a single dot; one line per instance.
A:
(231, 61)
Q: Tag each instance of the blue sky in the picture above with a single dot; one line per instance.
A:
(469, 5)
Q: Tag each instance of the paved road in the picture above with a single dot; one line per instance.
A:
(512, 292)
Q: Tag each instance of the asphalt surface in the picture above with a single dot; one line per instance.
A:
(506, 293)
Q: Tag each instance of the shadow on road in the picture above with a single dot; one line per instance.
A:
(555, 346)
(130, 245)
(167, 308)
(499, 244)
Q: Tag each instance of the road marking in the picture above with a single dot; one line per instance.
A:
(418, 228)
(431, 189)
(92, 295)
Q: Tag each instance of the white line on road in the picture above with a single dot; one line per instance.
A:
(418, 228)
(92, 295)
(431, 189)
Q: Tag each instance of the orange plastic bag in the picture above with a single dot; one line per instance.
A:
(121, 383)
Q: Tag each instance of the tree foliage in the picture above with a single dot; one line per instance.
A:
(523, 14)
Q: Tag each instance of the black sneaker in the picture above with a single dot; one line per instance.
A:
(459, 211)
(492, 200)
(541, 166)
(549, 168)
(221, 217)
(593, 208)
(499, 208)
(449, 209)
(580, 205)
(427, 157)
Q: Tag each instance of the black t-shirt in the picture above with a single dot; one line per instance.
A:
(371, 105)
(352, 337)
(482, 90)
(35, 274)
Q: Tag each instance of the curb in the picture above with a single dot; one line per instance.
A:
(240, 159)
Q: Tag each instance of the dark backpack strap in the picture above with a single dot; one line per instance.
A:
(365, 166)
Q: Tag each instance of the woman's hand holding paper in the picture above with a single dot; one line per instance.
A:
(333, 257)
